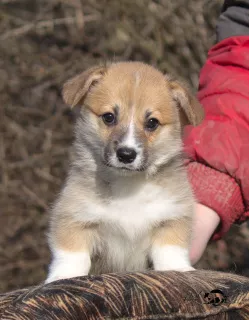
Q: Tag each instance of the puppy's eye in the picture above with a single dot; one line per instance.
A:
(108, 118)
(151, 124)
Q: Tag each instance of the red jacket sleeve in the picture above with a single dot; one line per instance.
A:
(219, 146)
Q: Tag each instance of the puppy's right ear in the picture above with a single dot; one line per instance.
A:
(75, 90)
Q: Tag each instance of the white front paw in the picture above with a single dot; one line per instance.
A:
(68, 265)
(171, 257)
(63, 272)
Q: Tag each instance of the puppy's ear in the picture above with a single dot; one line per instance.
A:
(191, 111)
(75, 90)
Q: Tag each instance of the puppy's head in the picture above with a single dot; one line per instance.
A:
(132, 115)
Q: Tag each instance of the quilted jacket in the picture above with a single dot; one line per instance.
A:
(219, 146)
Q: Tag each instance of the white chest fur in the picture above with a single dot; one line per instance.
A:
(134, 207)
(125, 218)
(132, 210)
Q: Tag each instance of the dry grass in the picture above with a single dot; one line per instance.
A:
(43, 43)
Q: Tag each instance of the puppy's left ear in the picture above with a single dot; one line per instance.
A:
(76, 89)
(190, 110)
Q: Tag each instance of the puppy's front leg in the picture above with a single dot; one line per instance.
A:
(71, 248)
(170, 247)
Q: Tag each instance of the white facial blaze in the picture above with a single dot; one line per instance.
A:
(130, 139)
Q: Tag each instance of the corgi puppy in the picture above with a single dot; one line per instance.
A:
(126, 204)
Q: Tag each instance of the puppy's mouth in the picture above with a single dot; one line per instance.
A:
(124, 168)
(125, 159)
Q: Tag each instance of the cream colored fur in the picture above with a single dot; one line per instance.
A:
(111, 216)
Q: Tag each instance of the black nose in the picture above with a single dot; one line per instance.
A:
(126, 155)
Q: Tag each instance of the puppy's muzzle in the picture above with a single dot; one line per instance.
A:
(126, 155)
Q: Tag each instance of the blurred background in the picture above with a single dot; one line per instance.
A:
(42, 44)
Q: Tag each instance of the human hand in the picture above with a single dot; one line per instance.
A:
(206, 221)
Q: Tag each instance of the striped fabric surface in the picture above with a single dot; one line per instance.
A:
(148, 296)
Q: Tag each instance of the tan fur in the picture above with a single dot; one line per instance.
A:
(92, 213)
(74, 237)
(190, 110)
(103, 98)
(176, 232)
(75, 90)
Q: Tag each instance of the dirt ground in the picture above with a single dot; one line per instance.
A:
(43, 43)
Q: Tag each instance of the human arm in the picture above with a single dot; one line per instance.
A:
(219, 148)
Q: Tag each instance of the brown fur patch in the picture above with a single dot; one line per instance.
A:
(74, 237)
(175, 232)
(190, 110)
(75, 89)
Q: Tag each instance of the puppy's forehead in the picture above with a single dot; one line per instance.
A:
(139, 86)
(134, 75)
(133, 89)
